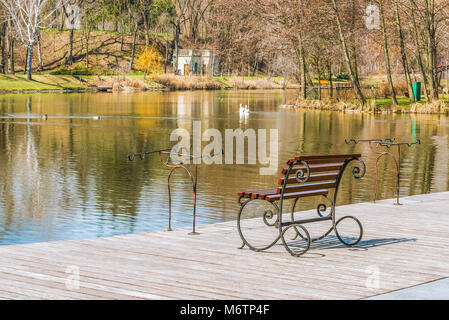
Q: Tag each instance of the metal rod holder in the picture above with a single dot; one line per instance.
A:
(387, 143)
(173, 166)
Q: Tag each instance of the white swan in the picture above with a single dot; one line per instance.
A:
(244, 110)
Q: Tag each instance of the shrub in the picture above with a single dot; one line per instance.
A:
(79, 70)
(149, 61)
(342, 76)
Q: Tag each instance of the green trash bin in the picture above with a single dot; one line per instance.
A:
(417, 90)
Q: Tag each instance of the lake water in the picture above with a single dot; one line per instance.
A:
(68, 176)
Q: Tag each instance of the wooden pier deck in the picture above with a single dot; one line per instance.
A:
(407, 245)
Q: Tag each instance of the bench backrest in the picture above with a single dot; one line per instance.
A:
(308, 173)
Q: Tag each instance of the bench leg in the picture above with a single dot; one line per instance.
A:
(267, 215)
(294, 250)
(346, 243)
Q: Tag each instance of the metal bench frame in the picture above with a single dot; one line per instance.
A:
(303, 176)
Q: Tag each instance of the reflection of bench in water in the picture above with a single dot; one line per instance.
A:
(305, 176)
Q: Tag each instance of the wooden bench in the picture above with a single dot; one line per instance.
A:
(304, 176)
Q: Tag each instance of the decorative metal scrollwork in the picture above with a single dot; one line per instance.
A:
(388, 144)
(358, 172)
(322, 207)
(267, 215)
(300, 175)
(349, 244)
(299, 251)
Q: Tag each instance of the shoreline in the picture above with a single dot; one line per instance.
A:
(95, 90)
(372, 106)
(48, 83)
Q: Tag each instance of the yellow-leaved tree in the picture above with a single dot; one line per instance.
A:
(149, 61)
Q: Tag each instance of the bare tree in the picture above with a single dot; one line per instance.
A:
(386, 52)
(27, 17)
(180, 18)
(347, 57)
(404, 60)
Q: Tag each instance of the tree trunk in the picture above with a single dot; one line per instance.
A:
(419, 58)
(403, 53)
(30, 62)
(69, 60)
(11, 53)
(87, 36)
(302, 63)
(353, 42)
(102, 14)
(177, 29)
(147, 30)
(319, 85)
(39, 51)
(122, 31)
(354, 81)
(133, 49)
(432, 54)
(386, 53)
(166, 52)
(26, 61)
(61, 27)
(330, 84)
(4, 41)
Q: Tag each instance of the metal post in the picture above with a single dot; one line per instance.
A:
(195, 184)
(173, 167)
(388, 143)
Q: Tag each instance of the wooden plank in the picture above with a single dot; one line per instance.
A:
(294, 195)
(316, 168)
(325, 158)
(307, 187)
(312, 178)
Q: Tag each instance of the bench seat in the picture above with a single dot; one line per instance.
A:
(292, 191)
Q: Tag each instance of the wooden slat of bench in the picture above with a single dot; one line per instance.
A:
(307, 187)
(325, 158)
(255, 193)
(294, 195)
(312, 178)
(316, 168)
(244, 193)
(263, 193)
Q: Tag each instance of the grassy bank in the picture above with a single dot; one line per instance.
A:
(46, 82)
(10, 83)
(440, 106)
(134, 81)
